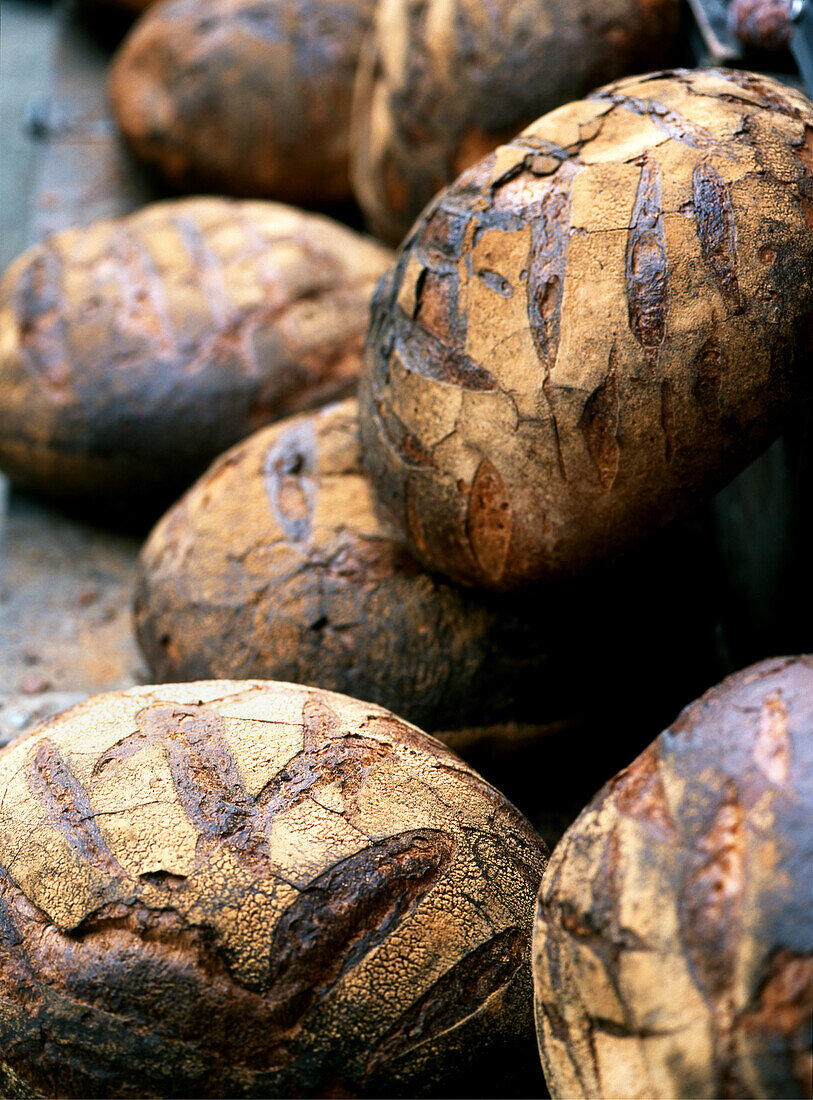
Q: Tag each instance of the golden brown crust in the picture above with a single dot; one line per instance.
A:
(136, 350)
(275, 565)
(441, 84)
(595, 327)
(673, 946)
(252, 889)
(242, 97)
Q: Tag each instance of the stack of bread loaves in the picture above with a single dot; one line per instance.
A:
(229, 885)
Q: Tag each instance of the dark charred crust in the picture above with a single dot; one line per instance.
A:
(200, 983)
(783, 1010)
(544, 301)
(445, 231)
(647, 265)
(38, 301)
(805, 152)
(444, 116)
(543, 227)
(771, 97)
(18, 983)
(496, 282)
(159, 976)
(548, 264)
(717, 231)
(346, 912)
(67, 807)
(712, 857)
(447, 365)
(217, 68)
(459, 993)
(599, 425)
(92, 319)
(436, 309)
(488, 523)
(343, 760)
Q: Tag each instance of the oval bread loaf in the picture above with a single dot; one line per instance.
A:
(136, 350)
(244, 97)
(595, 327)
(673, 946)
(256, 889)
(441, 84)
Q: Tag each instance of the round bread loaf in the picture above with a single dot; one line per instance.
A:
(256, 889)
(136, 350)
(595, 327)
(274, 565)
(441, 84)
(244, 97)
(673, 946)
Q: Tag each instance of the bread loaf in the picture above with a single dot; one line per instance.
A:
(595, 327)
(674, 933)
(244, 97)
(256, 889)
(136, 350)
